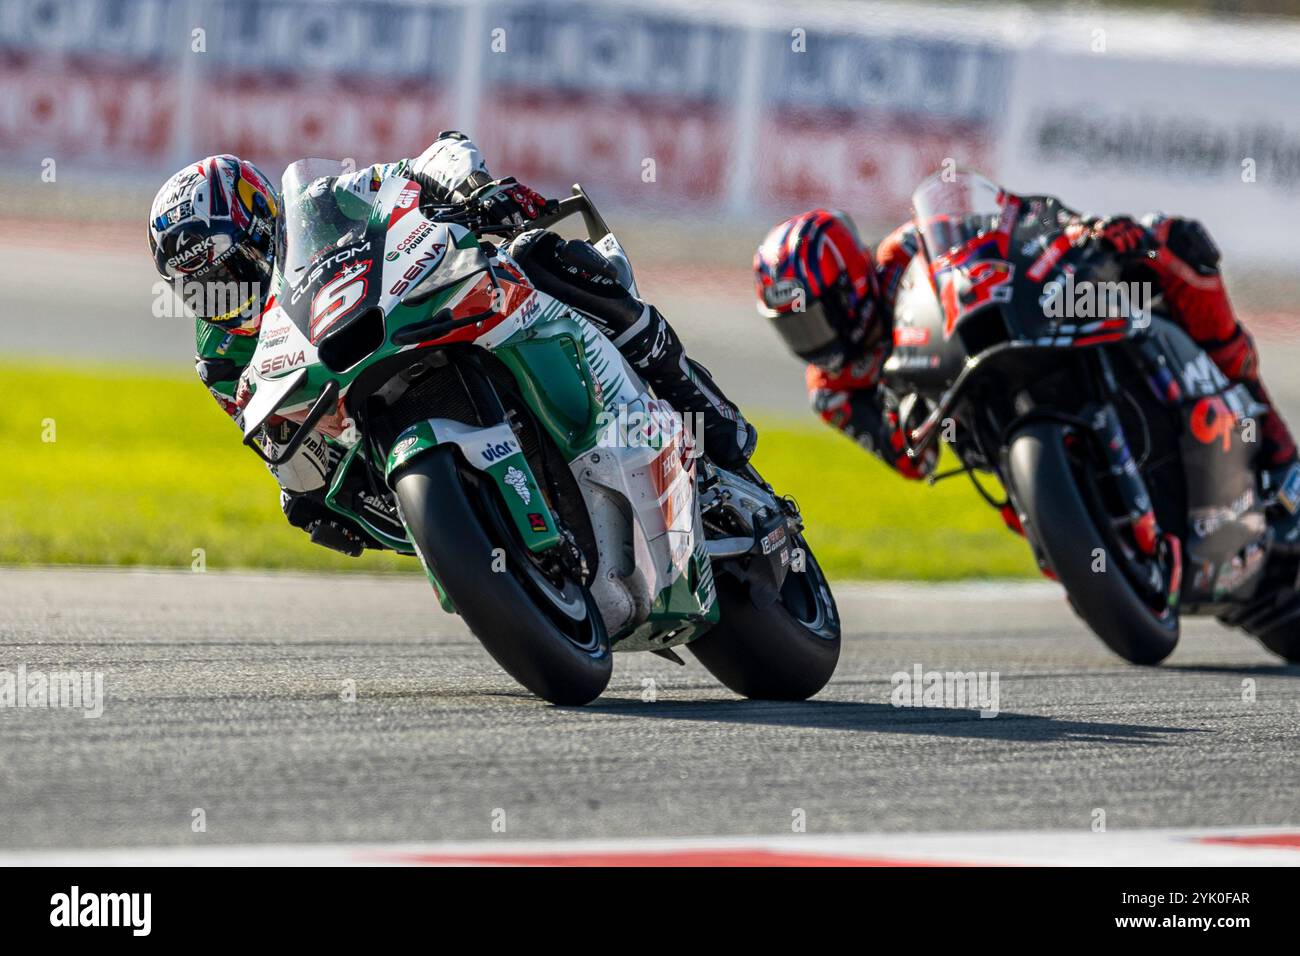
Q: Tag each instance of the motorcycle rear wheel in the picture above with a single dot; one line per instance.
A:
(1273, 618)
(1047, 493)
(1284, 639)
(786, 651)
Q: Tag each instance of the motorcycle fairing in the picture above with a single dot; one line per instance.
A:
(494, 451)
(431, 285)
(639, 485)
(923, 355)
(1226, 524)
(376, 263)
(976, 272)
(938, 356)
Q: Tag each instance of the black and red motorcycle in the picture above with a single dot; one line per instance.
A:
(1126, 456)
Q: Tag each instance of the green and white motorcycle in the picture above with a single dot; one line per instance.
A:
(556, 505)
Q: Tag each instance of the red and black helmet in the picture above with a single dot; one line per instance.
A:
(213, 224)
(817, 283)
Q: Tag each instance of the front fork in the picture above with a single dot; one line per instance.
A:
(1131, 490)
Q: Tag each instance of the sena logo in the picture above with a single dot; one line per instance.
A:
(418, 269)
(495, 451)
(281, 362)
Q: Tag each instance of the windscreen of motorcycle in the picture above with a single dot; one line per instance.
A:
(954, 207)
(331, 241)
(965, 225)
(310, 216)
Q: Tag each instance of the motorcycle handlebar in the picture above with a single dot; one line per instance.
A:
(556, 212)
(469, 215)
(576, 204)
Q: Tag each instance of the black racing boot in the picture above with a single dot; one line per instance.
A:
(656, 352)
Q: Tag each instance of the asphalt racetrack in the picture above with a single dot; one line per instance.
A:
(230, 694)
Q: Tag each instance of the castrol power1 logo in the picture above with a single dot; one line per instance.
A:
(412, 241)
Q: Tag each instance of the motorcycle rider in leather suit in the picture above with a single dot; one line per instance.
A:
(213, 224)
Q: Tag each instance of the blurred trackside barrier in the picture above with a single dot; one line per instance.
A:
(724, 108)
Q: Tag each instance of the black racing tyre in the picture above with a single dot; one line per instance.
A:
(1057, 516)
(787, 651)
(561, 657)
(1273, 618)
(1283, 640)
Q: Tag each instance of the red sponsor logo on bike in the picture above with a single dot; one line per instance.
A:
(910, 336)
(1212, 420)
(1050, 257)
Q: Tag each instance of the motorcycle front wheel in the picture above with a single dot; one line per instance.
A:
(547, 635)
(1046, 489)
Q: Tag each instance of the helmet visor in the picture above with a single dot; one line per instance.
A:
(229, 293)
(808, 332)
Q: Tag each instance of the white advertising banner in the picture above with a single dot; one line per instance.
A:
(1217, 141)
(749, 109)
